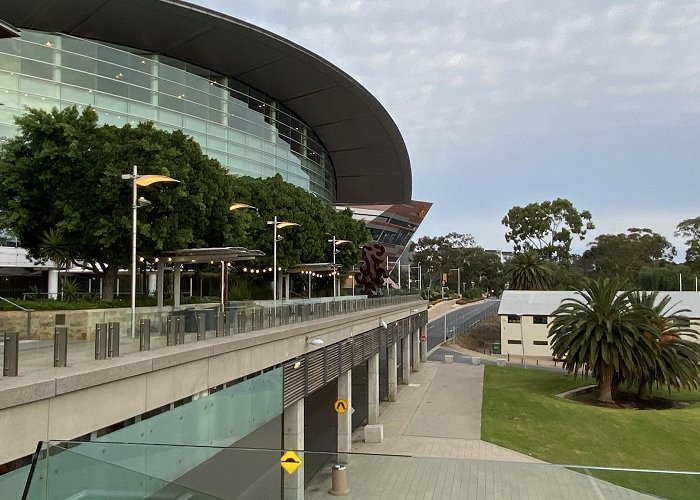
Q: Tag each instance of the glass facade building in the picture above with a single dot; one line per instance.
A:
(249, 132)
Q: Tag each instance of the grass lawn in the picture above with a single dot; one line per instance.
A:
(521, 412)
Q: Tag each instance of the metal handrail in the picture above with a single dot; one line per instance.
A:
(16, 305)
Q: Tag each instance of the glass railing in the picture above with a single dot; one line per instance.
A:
(81, 336)
(132, 470)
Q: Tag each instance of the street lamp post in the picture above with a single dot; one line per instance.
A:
(336, 242)
(276, 225)
(136, 203)
(458, 279)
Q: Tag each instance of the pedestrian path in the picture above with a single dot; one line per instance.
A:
(432, 450)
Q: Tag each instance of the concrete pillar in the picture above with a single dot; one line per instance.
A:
(393, 374)
(176, 285)
(294, 440)
(373, 390)
(160, 282)
(345, 419)
(53, 283)
(415, 352)
(152, 284)
(406, 360)
(424, 344)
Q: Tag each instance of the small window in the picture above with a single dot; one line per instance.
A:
(512, 318)
(514, 342)
(540, 342)
(539, 320)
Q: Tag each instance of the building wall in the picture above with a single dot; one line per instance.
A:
(531, 333)
(246, 130)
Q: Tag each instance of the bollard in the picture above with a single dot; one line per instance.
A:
(448, 359)
(101, 341)
(113, 339)
(145, 335)
(60, 346)
(339, 481)
(10, 354)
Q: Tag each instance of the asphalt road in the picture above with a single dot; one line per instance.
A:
(462, 318)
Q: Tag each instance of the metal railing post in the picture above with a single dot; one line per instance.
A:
(60, 346)
(101, 341)
(169, 331)
(201, 320)
(10, 354)
(219, 323)
(179, 329)
(145, 335)
(113, 339)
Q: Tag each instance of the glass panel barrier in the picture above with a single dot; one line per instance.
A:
(134, 470)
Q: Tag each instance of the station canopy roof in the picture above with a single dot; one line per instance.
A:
(367, 150)
(209, 255)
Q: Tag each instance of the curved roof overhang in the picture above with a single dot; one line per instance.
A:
(366, 147)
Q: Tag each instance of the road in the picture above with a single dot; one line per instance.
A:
(458, 320)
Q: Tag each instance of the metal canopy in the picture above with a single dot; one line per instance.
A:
(366, 147)
(7, 31)
(208, 255)
(316, 267)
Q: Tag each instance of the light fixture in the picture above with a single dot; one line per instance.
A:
(143, 202)
(383, 324)
(315, 341)
(297, 365)
(238, 205)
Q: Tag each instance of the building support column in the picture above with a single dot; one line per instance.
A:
(373, 390)
(53, 284)
(160, 284)
(294, 440)
(406, 360)
(176, 285)
(415, 352)
(345, 419)
(393, 374)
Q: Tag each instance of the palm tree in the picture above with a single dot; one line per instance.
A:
(604, 333)
(677, 363)
(527, 271)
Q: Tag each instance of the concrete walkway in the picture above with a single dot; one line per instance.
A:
(432, 449)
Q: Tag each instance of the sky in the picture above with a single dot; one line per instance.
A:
(504, 103)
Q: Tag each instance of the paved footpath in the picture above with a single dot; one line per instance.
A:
(433, 432)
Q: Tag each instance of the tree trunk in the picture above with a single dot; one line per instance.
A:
(605, 385)
(109, 281)
(644, 390)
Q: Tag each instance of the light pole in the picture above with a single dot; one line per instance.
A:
(136, 203)
(336, 242)
(224, 267)
(458, 279)
(276, 225)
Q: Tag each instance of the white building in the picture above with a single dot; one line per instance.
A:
(525, 317)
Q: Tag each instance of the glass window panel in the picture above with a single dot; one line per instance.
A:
(111, 86)
(77, 95)
(111, 103)
(216, 130)
(78, 78)
(10, 46)
(142, 111)
(194, 109)
(116, 56)
(140, 93)
(169, 118)
(195, 125)
(253, 155)
(38, 69)
(39, 52)
(37, 102)
(40, 87)
(169, 102)
(79, 62)
(78, 46)
(216, 143)
(236, 136)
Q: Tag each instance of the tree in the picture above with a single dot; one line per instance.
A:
(690, 230)
(677, 361)
(63, 172)
(625, 254)
(547, 227)
(604, 332)
(527, 271)
(318, 222)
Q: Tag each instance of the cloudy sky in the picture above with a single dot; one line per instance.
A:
(504, 103)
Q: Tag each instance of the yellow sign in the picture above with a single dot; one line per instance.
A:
(341, 406)
(290, 462)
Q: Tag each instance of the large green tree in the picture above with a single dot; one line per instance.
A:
(625, 254)
(690, 230)
(604, 332)
(528, 271)
(548, 227)
(318, 222)
(62, 172)
(677, 361)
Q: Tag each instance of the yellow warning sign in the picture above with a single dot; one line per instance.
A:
(341, 406)
(290, 462)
